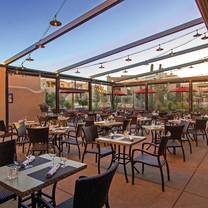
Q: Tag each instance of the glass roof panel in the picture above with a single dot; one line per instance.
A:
(127, 22)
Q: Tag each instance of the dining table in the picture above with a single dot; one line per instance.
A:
(124, 141)
(30, 181)
(58, 134)
(154, 130)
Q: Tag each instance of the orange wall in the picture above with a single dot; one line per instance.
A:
(27, 95)
(2, 93)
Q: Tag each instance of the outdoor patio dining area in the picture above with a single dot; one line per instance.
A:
(94, 114)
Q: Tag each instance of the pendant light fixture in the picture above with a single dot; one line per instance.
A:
(125, 71)
(101, 66)
(191, 67)
(55, 22)
(77, 71)
(159, 48)
(197, 34)
(205, 37)
(128, 59)
(40, 45)
(171, 52)
(29, 58)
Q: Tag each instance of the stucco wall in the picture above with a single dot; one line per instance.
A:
(2, 93)
(27, 95)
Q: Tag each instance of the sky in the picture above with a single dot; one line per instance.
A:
(24, 21)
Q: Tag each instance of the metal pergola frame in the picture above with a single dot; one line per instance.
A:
(87, 16)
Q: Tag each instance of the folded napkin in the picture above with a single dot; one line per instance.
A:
(28, 161)
(53, 170)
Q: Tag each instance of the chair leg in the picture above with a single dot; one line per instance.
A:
(206, 136)
(79, 151)
(85, 149)
(132, 173)
(168, 171)
(68, 148)
(98, 163)
(184, 158)
(142, 168)
(162, 178)
(189, 145)
(195, 138)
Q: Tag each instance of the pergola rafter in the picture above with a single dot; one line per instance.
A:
(165, 69)
(185, 51)
(139, 42)
(68, 27)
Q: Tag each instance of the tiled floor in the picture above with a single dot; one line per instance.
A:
(188, 186)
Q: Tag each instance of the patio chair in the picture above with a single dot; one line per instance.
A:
(185, 135)
(157, 159)
(175, 139)
(7, 132)
(38, 139)
(134, 124)
(74, 139)
(90, 191)
(199, 130)
(21, 132)
(7, 155)
(90, 135)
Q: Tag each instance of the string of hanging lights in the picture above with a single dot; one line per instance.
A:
(54, 22)
(158, 48)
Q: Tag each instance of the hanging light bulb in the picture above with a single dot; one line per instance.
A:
(22, 65)
(205, 37)
(29, 58)
(197, 34)
(128, 59)
(55, 22)
(171, 52)
(159, 48)
(77, 72)
(40, 45)
(101, 66)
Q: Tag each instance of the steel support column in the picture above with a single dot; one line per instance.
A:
(57, 94)
(190, 96)
(90, 95)
(146, 97)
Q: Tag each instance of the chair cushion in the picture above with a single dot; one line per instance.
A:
(104, 151)
(148, 159)
(5, 195)
(173, 143)
(66, 204)
(72, 141)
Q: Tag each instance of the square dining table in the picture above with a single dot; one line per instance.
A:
(124, 141)
(31, 180)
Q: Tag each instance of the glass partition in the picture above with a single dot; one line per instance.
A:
(200, 96)
(139, 97)
(101, 97)
(73, 95)
(168, 97)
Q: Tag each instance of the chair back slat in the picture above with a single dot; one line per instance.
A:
(79, 130)
(127, 125)
(162, 145)
(200, 124)
(7, 152)
(175, 131)
(90, 133)
(38, 135)
(2, 126)
(93, 191)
